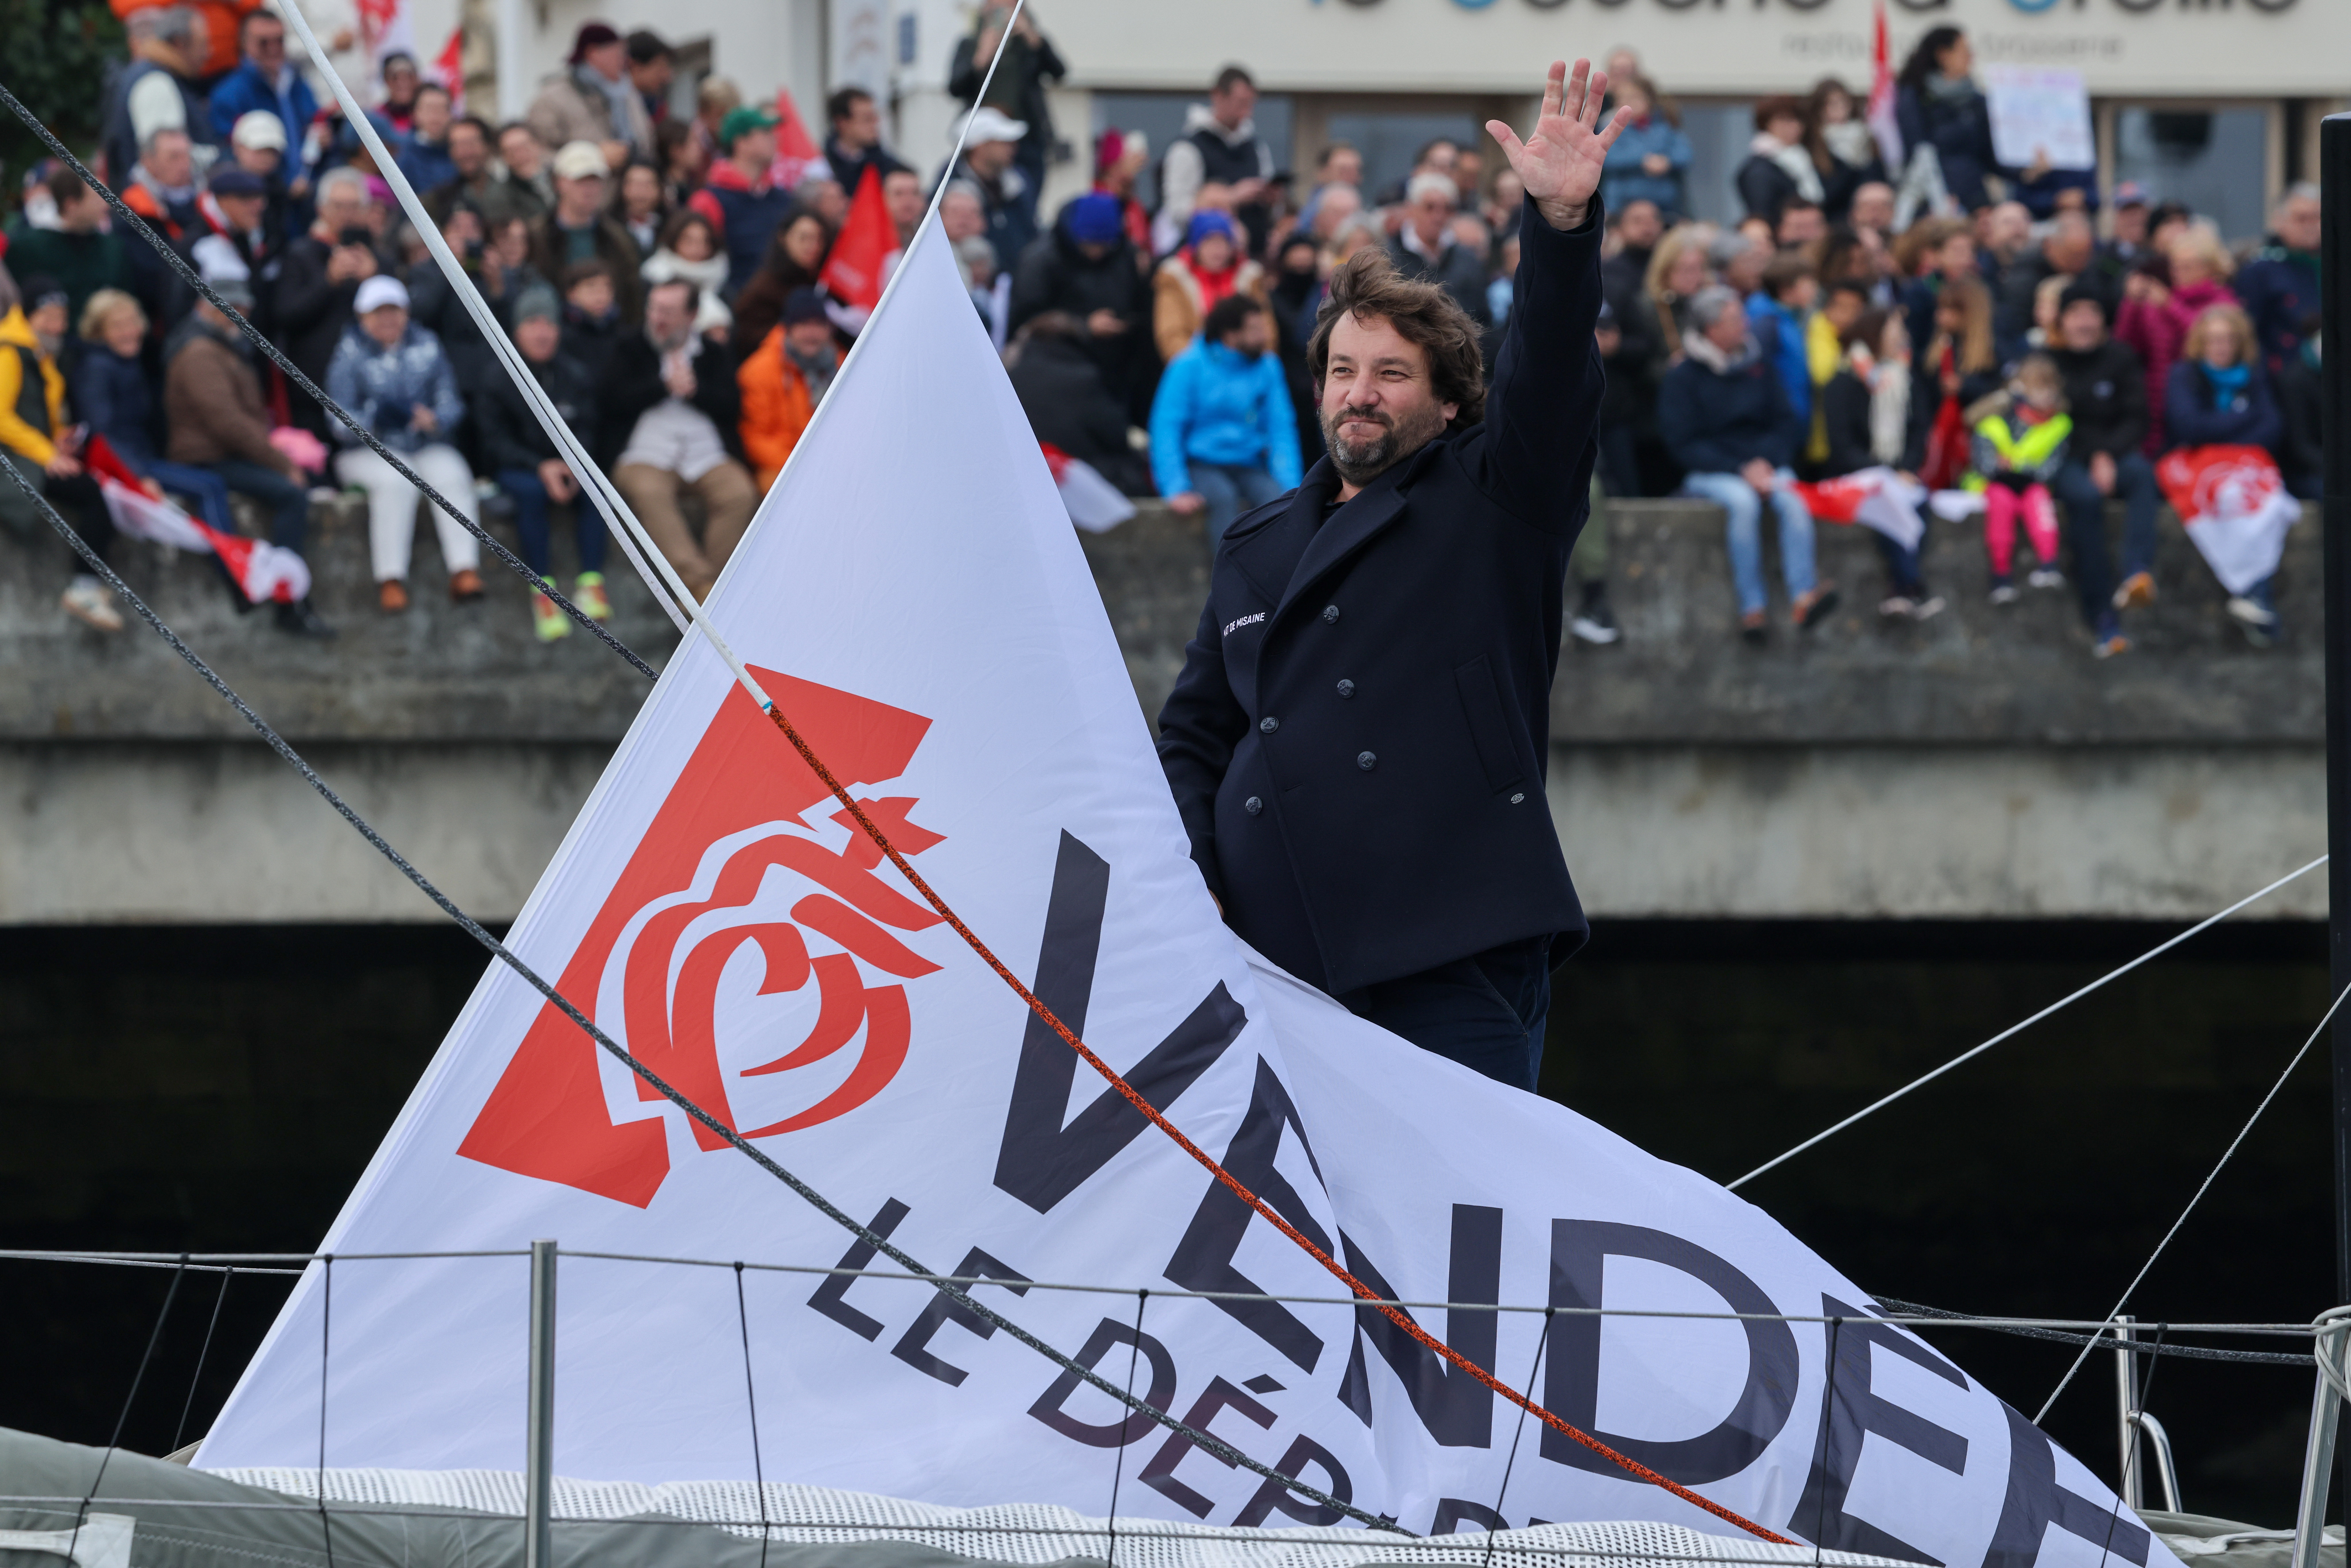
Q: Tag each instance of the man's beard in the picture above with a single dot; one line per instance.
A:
(1359, 463)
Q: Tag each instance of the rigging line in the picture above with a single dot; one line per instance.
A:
(2202, 1188)
(1901, 1314)
(2014, 1029)
(122, 1418)
(1502, 1492)
(1828, 1439)
(881, 1244)
(326, 1322)
(751, 1402)
(1118, 1447)
(189, 274)
(1907, 1313)
(180, 1433)
(1233, 1184)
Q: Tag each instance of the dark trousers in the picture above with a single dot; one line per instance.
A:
(81, 503)
(2085, 520)
(1486, 1012)
(288, 503)
(531, 502)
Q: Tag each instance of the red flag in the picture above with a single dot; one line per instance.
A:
(449, 68)
(796, 152)
(855, 271)
(1882, 121)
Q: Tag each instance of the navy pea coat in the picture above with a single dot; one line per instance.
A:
(1358, 740)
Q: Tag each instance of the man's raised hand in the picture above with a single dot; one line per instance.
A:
(1560, 162)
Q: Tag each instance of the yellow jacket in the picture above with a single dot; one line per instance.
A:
(17, 433)
(1822, 355)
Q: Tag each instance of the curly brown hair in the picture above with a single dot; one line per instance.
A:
(1367, 286)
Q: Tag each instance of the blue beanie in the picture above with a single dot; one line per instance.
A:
(1094, 218)
(1209, 222)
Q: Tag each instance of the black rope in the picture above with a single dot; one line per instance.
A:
(1502, 1491)
(726, 1133)
(751, 1398)
(189, 274)
(326, 1324)
(1118, 1448)
(180, 1433)
(122, 1417)
(2149, 1349)
(1828, 1436)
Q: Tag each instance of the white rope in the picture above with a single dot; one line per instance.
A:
(2202, 1187)
(2015, 1030)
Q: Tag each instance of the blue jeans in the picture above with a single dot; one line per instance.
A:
(204, 487)
(1486, 1012)
(2085, 518)
(1229, 492)
(531, 502)
(287, 501)
(1743, 510)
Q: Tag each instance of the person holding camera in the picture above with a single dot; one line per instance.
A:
(321, 282)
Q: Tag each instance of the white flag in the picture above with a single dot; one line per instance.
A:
(950, 658)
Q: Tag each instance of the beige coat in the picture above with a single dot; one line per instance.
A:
(1176, 309)
(564, 112)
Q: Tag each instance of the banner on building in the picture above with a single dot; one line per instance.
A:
(914, 598)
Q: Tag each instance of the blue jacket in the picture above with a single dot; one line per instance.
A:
(1782, 333)
(245, 89)
(1215, 405)
(1717, 422)
(2193, 416)
(1625, 181)
(1357, 742)
(382, 387)
(428, 167)
(110, 395)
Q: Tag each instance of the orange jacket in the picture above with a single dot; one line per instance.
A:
(776, 406)
(222, 18)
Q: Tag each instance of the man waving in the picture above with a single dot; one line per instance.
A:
(1358, 740)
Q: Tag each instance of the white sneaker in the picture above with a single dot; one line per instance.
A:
(2005, 593)
(2251, 613)
(87, 602)
(1928, 608)
(1897, 607)
(2045, 577)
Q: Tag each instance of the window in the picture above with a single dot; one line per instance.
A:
(1160, 117)
(2216, 160)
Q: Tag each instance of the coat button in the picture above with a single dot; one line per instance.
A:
(1346, 688)
(1269, 724)
(1365, 760)
(1516, 798)
(1252, 805)
(1330, 614)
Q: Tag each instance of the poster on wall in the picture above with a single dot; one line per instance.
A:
(861, 46)
(2040, 113)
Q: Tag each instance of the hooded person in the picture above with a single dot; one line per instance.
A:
(523, 458)
(1087, 269)
(1206, 268)
(783, 380)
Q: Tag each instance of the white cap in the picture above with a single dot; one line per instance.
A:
(992, 125)
(378, 292)
(580, 160)
(258, 128)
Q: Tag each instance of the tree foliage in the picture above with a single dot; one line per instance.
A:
(54, 56)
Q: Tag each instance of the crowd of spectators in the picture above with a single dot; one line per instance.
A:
(659, 273)
(1964, 324)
